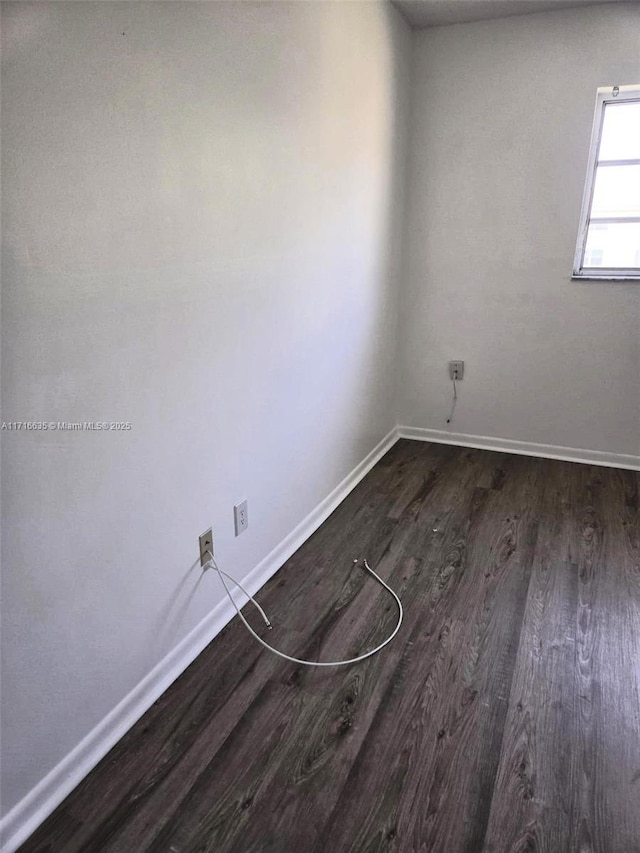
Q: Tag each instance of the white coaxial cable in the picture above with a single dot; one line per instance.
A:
(250, 597)
(453, 402)
(222, 576)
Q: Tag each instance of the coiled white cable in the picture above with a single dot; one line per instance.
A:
(222, 576)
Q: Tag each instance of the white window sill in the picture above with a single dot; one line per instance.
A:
(610, 277)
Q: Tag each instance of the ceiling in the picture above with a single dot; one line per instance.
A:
(435, 13)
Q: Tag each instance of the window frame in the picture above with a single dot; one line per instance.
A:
(605, 95)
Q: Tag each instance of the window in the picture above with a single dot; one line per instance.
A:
(609, 236)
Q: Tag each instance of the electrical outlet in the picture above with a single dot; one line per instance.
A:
(456, 370)
(205, 541)
(241, 517)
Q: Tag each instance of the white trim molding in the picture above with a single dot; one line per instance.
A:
(27, 815)
(524, 448)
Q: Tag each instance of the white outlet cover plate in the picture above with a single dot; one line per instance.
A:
(241, 517)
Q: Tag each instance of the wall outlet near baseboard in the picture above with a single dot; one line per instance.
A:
(241, 517)
(456, 370)
(205, 541)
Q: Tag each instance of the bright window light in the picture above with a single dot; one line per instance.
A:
(609, 237)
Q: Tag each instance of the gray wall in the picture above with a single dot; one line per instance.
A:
(501, 121)
(201, 206)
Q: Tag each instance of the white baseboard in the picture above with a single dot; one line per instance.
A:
(27, 815)
(524, 448)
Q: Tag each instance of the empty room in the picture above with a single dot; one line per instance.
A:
(320, 426)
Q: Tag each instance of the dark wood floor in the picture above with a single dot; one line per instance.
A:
(505, 716)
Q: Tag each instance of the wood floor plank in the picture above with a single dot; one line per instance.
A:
(569, 754)
(532, 797)
(503, 718)
(441, 731)
(608, 655)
